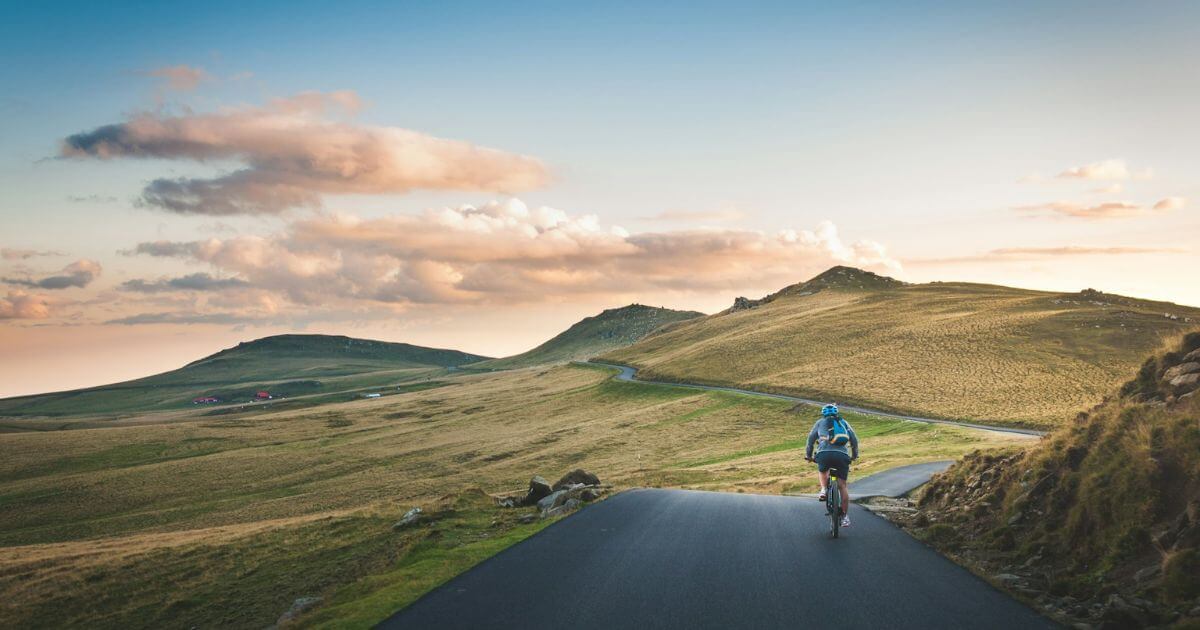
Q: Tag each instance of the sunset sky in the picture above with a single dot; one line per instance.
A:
(173, 181)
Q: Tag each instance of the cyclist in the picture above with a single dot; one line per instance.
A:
(832, 453)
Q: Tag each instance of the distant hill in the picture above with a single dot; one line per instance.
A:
(611, 329)
(954, 350)
(282, 365)
(1108, 504)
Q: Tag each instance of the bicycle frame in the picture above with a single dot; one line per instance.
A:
(833, 504)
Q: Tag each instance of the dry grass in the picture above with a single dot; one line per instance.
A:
(956, 351)
(198, 518)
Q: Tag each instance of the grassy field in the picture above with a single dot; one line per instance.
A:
(611, 329)
(950, 350)
(289, 366)
(223, 521)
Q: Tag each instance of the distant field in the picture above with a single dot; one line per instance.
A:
(224, 521)
(950, 350)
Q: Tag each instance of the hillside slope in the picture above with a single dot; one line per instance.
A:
(1101, 522)
(286, 365)
(613, 328)
(954, 350)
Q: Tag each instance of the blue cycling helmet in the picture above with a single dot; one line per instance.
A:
(829, 410)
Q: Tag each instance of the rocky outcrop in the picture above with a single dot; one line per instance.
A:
(410, 518)
(569, 493)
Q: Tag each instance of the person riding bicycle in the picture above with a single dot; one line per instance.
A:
(832, 434)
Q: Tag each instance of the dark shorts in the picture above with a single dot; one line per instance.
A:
(836, 461)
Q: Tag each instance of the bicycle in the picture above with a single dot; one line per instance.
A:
(833, 502)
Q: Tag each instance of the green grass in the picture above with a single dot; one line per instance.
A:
(288, 366)
(613, 328)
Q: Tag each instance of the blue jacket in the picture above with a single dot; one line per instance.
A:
(820, 436)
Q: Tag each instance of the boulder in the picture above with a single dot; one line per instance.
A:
(1190, 367)
(1194, 355)
(410, 518)
(578, 476)
(552, 500)
(538, 488)
(1186, 381)
(299, 607)
(527, 518)
(1007, 579)
(589, 494)
(567, 506)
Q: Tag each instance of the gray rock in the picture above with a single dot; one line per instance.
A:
(527, 518)
(1007, 579)
(579, 477)
(566, 507)
(1186, 381)
(299, 607)
(1179, 370)
(589, 494)
(1194, 355)
(410, 518)
(552, 500)
(538, 488)
(1147, 574)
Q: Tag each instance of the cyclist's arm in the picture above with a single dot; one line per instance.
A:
(853, 440)
(812, 438)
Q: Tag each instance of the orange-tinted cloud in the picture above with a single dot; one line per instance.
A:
(1018, 254)
(1106, 210)
(22, 305)
(294, 153)
(507, 252)
(1108, 170)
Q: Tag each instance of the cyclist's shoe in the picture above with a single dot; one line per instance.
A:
(845, 520)
(821, 496)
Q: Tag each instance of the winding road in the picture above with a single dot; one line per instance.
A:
(628, 373)
(692, 560)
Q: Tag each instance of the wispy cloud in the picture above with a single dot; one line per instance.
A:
(1107, 170)
(78, 274)
(1105, 210)
(181, 78)
(91, 199)
(7, 253)
(190, 282)
(293, 154)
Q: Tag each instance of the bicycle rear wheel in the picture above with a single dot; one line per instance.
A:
(833, 503)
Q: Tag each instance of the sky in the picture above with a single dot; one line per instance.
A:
(176, 179)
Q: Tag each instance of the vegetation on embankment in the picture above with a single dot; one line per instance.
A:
(229, 519)
(611, 329)
(1098, 524)
(949, 350)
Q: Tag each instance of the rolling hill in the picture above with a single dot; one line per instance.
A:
(283, 365)
(948, 349)
(591, 336)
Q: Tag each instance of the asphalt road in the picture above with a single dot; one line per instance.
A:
(630, 374)
(895, 482)
(693, 560)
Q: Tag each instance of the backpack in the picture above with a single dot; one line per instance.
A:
(839, 435)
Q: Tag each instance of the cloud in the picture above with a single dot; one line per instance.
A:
(293, 153)
(25, 254)
(1108, 170)
(184, 318)
(1106, 210)
(91, 199)
(507, 252)
(1017, 254)
(78, 274)
(22, 305)
(190, 282)
(160, 249)
(1170, 203)
(180, 78)
(724, 215)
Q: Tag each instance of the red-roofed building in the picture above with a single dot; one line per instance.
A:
(263, 395)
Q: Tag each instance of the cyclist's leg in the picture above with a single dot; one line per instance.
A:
(843, 484)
